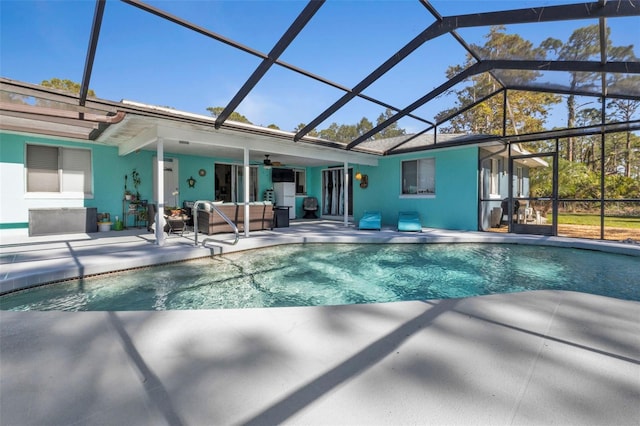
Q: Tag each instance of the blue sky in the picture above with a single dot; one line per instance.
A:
(143, 58)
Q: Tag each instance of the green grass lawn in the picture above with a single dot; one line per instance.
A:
(594, 220)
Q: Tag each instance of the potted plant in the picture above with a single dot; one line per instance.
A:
(142, 215)
(127, 193)
(135, 178)
(173, 211)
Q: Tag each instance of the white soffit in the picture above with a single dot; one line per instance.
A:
(47, 128)
(138, 132)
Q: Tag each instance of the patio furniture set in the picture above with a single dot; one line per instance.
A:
(210, 222)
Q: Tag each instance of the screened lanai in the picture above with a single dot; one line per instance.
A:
(522, 80)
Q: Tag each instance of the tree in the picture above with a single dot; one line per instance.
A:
(346, 132)
(339, 133)
(330, 133)
(584, 45)
(389, 131)
(625, 110)
(364, 125)
(588, 147)
(526, 111)
(234, 116)
(312, 133)
(66, 85)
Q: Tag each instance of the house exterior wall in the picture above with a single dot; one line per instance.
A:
(108, 180)
(454, 205)
(314, 186)
(108, 171)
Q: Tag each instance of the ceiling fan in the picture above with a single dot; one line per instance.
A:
(267, 163)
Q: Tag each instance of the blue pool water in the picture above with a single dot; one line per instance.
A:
(331, 274)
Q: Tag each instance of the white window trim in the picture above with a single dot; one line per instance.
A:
(423, 195)
(295, 171)
(58, 196)
(417, 196)
(62, 195)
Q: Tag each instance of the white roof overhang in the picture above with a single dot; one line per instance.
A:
(139, 132)
(502, 150)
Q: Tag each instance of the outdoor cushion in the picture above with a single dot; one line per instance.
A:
(371, 220)
(409, 221)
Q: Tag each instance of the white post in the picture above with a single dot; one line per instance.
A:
(160, 191)
(346, 193)
(246, 192)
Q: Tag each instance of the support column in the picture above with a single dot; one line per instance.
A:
(246, 192)
(346, 193)
(603, 111)
(159, 219)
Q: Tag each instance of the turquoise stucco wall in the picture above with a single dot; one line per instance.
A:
(11, 148)
(454, 205)
(109, 170)
(108, 167)
(314, 185)
(11, 182)
(189, 166)
(108, 179)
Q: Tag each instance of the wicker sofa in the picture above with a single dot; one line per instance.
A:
(210, 222)
(260, 216)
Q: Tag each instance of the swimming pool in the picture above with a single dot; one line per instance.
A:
(333, 274)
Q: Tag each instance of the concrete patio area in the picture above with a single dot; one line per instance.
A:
(545, 357)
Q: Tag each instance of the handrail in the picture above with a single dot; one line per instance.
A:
(194, 214)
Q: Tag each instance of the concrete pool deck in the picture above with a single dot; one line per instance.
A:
(546, 357)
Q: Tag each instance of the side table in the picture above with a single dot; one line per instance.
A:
(177, 224)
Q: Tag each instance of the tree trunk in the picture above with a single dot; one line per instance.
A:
(571, 119)
(628, 155)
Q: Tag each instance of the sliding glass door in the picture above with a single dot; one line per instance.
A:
(229, 183)
(333, 187)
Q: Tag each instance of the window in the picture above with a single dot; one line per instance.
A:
(495, 176)
(253, 183)
(419, 177)
(58, 170)
(301, 182)
(229, 183)
(520, 181)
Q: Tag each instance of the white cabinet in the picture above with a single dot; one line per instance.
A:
(286, 196)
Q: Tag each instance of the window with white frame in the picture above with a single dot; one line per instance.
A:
(419, 177)
(301, 182)
(55, 169)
